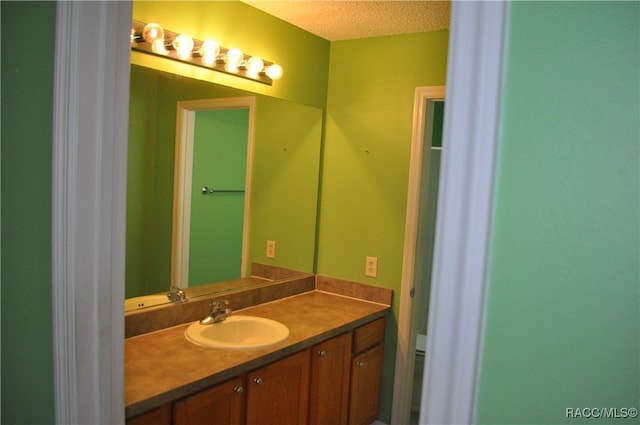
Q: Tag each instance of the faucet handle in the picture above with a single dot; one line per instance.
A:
(218, 313)
(176, 294)
(219, 305)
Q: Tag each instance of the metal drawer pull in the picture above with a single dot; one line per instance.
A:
(322, 353)
(360, 364)
(258, 381)
(238, 390)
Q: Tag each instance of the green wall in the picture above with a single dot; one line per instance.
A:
(27, 128)
(563, 318)
(365, 171)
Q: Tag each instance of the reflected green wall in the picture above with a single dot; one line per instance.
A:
(27, 128)
(284, 183)
(150, 163)
(563, 317)
(365, 172)
(286, 153)
(220, 162)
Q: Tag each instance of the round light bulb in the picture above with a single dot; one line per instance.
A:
(158, 47)
(209, 52)
(274, 71)
(183, 45)
(152, 32)
(231, 68)
(254, 66)
(234, 57)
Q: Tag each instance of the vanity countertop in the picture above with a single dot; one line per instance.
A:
(163, 366)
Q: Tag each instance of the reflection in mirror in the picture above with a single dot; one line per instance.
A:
(212, 190)
(284, 182)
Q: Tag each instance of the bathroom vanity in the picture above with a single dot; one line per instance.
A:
(328, 370)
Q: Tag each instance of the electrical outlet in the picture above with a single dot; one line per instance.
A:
(271, 249)
(371, 268)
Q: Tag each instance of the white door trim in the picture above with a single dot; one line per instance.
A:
(406, 346)
(465, 200)
(185, 123)
(91, 98)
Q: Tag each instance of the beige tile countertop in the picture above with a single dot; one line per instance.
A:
(162, 366)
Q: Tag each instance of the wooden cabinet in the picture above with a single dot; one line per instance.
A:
(366, 376)
(366, 373)
(158, 416)
(279, 392)
(222, 404)
(335, 382)
(329, 387)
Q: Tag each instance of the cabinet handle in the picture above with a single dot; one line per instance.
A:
(238, 390)
(322, 353)
(258, 381)
(360, 364)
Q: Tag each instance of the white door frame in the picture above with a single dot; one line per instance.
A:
(91, 117)
(185, 131)
(464, 215)
(406, 346)
(89, 202)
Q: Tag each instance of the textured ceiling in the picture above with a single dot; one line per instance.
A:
(346, 20)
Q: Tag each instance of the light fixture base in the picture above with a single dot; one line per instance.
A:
(139, 44)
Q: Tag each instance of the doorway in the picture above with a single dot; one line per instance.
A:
(192, 203)
(424, 171)
(218, 195)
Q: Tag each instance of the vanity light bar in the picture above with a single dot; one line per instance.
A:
(151, 38)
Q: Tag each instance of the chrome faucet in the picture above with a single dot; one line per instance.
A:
(176, 295)
(218, 312)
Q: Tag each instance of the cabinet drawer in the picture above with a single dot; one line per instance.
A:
(368, 335)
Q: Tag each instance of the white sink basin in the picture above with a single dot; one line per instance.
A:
(144, 301)
(238, 332)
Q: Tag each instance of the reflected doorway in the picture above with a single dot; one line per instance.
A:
(219, 168)
(223, 189)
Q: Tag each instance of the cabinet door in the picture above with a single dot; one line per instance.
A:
(278, 394)
(157, 416)
(366, 376)
(222, 404)
(329, 389)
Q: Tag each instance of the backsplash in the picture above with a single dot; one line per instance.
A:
(156, 318)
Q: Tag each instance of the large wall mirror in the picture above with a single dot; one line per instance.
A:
(284, 175)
